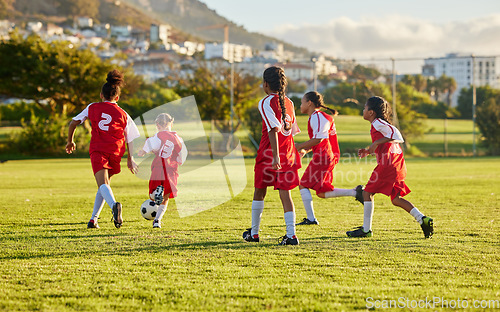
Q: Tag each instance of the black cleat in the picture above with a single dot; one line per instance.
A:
(359, 194)
(92, 224)
(117, 215)
(156, 224)
(306, 221)
(247, 235)
(158, 195)
(285, 240)
(359, 232)
(427, 226)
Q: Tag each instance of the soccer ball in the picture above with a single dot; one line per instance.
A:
(149, 209)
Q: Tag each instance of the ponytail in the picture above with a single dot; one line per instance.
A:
(112, 88)
(275, 77)
(381, 108)
(317, 99)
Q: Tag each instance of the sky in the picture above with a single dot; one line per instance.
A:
(371, 30)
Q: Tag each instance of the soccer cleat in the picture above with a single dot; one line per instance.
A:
(117, 215)
(285, 240)
(427, 226)
(92, 224)
(306, 221)
(359, 194)
(158, 195)
(359, 232)
(247, 235)
(156, 224)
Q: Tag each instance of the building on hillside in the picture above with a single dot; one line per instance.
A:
(228, 51)
(121, 31)
(159, 33)
(459, 66)
(298, 71)
(84, 22)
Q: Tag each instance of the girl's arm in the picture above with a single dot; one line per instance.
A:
(273, 140)
(371, 149)
(71, 146)
(131, 164)
(306, 147)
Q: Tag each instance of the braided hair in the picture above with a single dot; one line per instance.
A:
(112, 88)
(381, 108)
(276, 79)
(317, 99)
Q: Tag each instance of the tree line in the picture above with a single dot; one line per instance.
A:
(61, 80)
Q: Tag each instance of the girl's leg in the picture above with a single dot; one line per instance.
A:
(338, 192)
(369, 207)
(103, 179)
(408, 207)
(257, 209)
(288, 207)
(161, 211)
(307, 200)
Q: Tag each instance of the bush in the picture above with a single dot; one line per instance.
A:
(20, 110)
(488, 122)
(43, 136)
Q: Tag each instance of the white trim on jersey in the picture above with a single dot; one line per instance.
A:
(319, 125)
(131, 130)
(83, 115)
(152, 144)
(184, 152)
(268, 115)
(387, 130)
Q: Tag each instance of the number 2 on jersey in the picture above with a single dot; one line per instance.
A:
(103, 124)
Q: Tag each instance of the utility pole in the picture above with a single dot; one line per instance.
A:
(473, 105)
(394, 111)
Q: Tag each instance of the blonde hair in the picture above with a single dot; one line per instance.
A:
(164, 119)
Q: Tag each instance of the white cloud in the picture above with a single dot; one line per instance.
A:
(396, 36)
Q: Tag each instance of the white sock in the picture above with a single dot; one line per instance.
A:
(161, 211)
(290, 223)
(257, 208)
(107, 193)
(308, 203)
(368, 216)
(417, 214)
(337, 192)
(98, 204)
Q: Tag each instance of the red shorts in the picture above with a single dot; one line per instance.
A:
(100, 160)
(265, 177)
(318, 178)
(387, 187)
(169, 183)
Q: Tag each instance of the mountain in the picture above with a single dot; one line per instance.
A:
(185, 16)
(191, 15)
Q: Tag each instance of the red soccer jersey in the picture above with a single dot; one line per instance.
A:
(167, 147)
(270, 111)
(322, 126)
(111, 126)
(390, 160)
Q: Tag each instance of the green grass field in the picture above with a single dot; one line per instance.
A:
(51, 262)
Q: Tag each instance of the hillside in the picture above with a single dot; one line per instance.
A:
(190, 15)
(185, 16)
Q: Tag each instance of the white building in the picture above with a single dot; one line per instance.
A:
(159, 33)
(459, 66)
(228, 51)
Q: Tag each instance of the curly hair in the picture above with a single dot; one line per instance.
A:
(276, 79)
(381, 108)
(112, 88)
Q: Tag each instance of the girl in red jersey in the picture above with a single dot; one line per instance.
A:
(326, 153)
(277, 159)
(388, 177)
(170, 153)
(112, 129)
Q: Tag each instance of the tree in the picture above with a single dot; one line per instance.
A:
(59, 78)
(482, 94)
(488, 121)
(211, 89)
(74, 8)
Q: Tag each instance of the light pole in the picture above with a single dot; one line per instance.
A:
(315, 83)
(473, 105)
